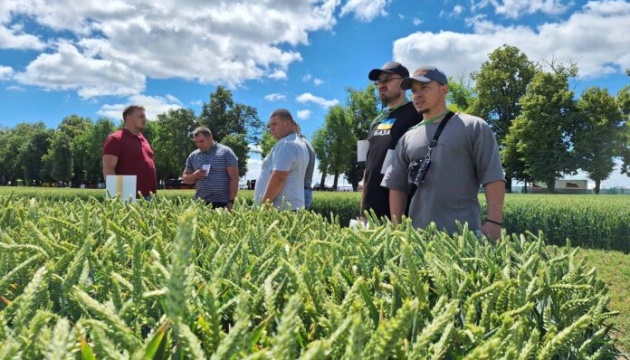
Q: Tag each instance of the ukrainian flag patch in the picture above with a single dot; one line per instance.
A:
(386, 124)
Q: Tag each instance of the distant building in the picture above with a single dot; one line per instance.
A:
(563, 186)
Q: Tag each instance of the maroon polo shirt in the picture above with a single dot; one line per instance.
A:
(135, 157)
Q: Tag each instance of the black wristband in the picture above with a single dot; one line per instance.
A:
(494, 222)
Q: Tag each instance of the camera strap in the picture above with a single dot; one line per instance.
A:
(432, 145)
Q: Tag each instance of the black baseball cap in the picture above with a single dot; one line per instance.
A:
(425, 74)
(391, 67)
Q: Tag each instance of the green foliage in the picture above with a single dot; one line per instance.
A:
(500, 83)
(237, 143)
(338, 125)
(173, 142)
(362, 109)
(32, 152)
(542, 132)
(597, 133)
(266, 144)
(460, 95)
(283, 285)
(322, 145)
(226, 117)
(623, 100)
(598, 222)
(59, 157)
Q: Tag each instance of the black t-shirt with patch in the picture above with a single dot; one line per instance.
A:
(382, 137)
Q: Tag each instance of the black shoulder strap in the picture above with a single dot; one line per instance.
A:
(438, 132)
(432, 145)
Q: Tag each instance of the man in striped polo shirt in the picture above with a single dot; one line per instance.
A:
(213, 168)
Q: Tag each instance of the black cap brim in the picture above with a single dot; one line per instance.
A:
(376, 73)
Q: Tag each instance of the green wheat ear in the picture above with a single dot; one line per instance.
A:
(179, 281)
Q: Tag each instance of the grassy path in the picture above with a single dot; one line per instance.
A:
(613, 267)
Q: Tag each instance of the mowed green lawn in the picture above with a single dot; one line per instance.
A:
(613, 267)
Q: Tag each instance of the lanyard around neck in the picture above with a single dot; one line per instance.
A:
(385, 113)
(431, 120)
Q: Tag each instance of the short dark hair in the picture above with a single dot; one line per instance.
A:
(130, 109)
(283, 114)
(202, 130)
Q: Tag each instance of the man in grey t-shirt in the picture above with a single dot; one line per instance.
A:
(465, 157)
(281, 179)
(213, 168)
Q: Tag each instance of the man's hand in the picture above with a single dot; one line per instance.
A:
(199, 174)
(491, 230)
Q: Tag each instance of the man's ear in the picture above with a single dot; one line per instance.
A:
(444, 89)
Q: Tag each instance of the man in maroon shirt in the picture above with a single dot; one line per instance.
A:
(127, 152)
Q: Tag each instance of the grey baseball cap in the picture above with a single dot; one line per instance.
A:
(425, 74)
(391, 67)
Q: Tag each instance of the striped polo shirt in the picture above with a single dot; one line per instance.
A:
(216, 186)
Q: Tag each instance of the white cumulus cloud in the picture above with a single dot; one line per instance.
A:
(303, 114)
(5, 72)
(275, 97)
(365, 10)
(117, 46)
(594, 38)
(13, 39)
(310, 98)
(69, 69)
(517, 8)
(154, 105)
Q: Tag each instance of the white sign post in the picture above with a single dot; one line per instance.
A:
(362, 150)
(123, 186)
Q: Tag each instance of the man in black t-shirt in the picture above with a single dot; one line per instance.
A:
(385, 130)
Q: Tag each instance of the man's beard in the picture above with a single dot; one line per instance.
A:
(388, 97)
(422, 111)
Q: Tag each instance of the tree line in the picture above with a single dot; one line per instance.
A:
(71, 153)
(543, 129)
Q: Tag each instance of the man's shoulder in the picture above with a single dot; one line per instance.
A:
(407, 115)
(118, 134)
(289, 144)
(407, 110)
(470, 119)
(194, 153)
(223, 148)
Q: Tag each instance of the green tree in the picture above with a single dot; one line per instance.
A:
(322, 146)
(461, 96)
(597, 133)
(59, 157)
(266, 143)
(13, 143)
(151, 131)
(172, 142)
(340, 139)
(226, 117)
(77, 129)
(31, 153)
(94, 141)
(623, 101)
(513, 161)
(361, 109)
(543, 130)
(5, 169)
(239, 145)
(500, 84)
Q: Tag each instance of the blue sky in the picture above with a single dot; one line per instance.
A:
(92, 58)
